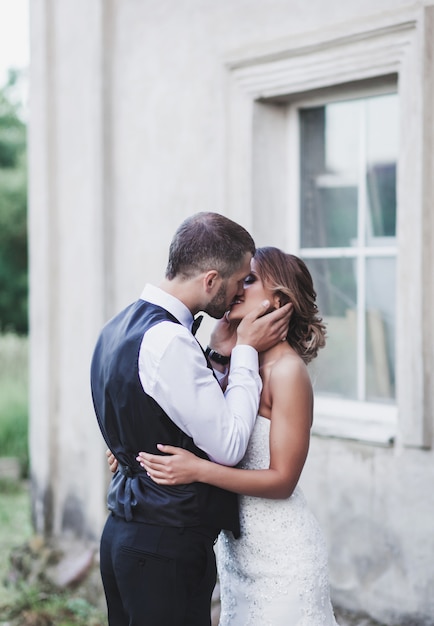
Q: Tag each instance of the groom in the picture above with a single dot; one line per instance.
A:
(151, 383)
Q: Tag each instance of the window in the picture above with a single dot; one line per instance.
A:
(348, 156)
(312, 150)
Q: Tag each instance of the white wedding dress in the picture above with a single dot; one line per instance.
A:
(276, 573)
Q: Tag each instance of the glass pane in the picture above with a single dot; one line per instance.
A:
(348, 164)
(380, 328)
(381, 157)
(335, 369)
(330, 147)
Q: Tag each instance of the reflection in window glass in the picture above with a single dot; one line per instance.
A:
(381, 154)
(348, 155)
(335, 285)
(381, 184)
(329, 169)
(380, 328)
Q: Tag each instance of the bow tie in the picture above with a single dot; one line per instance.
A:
(196, 323)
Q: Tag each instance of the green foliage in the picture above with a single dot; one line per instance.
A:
(13, 436)
(12, 128)
(15, 529)
(13, 213)
(14, 399)
(32, 603)
(36, 608)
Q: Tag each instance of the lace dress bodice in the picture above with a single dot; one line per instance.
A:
(276, 573)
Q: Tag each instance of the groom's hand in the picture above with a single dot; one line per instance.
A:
(263, 331)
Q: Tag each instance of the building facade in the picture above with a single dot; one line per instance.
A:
(312, 124)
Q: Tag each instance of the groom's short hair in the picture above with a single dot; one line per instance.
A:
(207, 241)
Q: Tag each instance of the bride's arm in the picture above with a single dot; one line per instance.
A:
(291, 416)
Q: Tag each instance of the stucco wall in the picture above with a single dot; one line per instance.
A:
(375, 507)
(129, 134)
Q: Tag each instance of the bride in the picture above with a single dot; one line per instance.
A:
(276, 573)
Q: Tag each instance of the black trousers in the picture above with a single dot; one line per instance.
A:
(157, 575)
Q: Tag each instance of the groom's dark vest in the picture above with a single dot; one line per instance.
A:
(131, 421)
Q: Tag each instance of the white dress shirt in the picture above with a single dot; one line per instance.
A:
(173, 371)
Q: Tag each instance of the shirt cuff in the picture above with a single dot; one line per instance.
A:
(244, 356)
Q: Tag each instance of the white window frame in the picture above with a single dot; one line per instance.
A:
(354, 419)
(399, 44)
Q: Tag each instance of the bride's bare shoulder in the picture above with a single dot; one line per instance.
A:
(289, 367)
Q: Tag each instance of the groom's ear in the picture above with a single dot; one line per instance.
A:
(211, 279)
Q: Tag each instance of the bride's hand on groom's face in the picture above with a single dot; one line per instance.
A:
(224, 336)
(179, 468)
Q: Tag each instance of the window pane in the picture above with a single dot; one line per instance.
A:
(330, 146)
(335, 369)
(380, 329)
(381, 184)
(381, 157)
(349, 153)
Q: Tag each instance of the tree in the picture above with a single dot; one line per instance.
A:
(13, 212)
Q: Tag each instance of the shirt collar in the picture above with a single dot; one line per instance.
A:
(157, 296)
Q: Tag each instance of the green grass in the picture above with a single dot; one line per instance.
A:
(15, 528)
(14, 399)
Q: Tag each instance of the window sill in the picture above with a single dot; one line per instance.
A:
(365, 422)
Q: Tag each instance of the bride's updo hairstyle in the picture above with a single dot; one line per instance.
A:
(288, 276)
